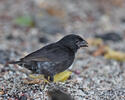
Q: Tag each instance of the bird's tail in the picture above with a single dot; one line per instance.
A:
(14, 62)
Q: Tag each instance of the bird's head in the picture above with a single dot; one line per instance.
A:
(73, 42)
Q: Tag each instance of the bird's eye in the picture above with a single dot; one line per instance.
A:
(77, 41)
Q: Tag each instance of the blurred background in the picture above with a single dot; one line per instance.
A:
(27, 25)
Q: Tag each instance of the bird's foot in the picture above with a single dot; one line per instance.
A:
(39, 77)
(50, 79)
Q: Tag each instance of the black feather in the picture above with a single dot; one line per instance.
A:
(15, 62)
(53, 58)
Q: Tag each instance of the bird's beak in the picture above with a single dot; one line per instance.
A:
(82, 44)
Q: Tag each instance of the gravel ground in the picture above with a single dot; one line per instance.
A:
(95, 78)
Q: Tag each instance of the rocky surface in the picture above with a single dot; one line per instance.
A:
(94, 77)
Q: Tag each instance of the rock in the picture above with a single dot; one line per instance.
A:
(43, 40)
(23, 97)
(57, 94)
(110, 36)
(123, 20)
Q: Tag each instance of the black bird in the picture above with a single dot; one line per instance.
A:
(53, 58)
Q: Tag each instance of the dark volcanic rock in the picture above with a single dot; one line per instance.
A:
(111, 36)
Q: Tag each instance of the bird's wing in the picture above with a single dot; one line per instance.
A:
(52, 53)
(51, 59)
(35, 56)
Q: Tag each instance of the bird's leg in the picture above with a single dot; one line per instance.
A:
(51, 81)
(51, 78)
(46, 79)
